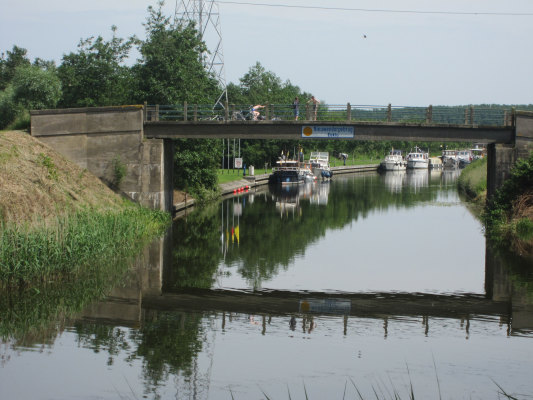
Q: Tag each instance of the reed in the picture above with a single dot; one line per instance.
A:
(32, 255)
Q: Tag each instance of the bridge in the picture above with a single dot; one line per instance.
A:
(140, 137)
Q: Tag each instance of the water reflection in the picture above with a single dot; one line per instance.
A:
(176, 327)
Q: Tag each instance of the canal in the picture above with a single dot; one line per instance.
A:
(367, 286)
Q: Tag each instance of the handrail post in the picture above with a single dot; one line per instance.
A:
(471, 115)
(145, 112)
(389, 113)
(157, 112)
(226, 111)
(185, 111)
(232, 111)
(195, 112)
(267, 112)
(307, 114)
(466, 116)
(429, 114)
(348, 112)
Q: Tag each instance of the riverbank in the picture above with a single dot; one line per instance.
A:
(182, 201)
(508, 217)
(57, 219)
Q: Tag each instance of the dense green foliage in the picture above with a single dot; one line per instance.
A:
(502, 214)
(171, 68)
(95, 75)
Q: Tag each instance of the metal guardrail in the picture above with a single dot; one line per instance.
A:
(434, 115)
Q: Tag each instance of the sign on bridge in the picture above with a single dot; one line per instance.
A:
(327, 132)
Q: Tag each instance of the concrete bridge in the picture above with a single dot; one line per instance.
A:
(135, 136)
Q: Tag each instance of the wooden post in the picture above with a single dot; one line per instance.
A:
(195, 117)
(348, 112)
(429, 114)
(389, 113)
(185, 111)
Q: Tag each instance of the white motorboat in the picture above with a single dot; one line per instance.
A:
(449, 159)
(464, 157)
(394, 161)
(319, 161)
(417, 159)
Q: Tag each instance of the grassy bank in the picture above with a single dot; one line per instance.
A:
(32, 254)
(509, 213)
(473, 180)
(57, 219)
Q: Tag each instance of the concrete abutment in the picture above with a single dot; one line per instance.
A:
(107, 139)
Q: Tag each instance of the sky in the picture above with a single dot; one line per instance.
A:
(362, 52)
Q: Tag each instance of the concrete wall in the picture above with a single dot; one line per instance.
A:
(95, 138)
(502, 157)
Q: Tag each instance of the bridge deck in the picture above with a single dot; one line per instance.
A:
(294, 130)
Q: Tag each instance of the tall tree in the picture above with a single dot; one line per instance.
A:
(15, 58)
(35, 88)
(96, 75)
(171, 69)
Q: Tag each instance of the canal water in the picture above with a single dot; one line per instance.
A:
(367, 286)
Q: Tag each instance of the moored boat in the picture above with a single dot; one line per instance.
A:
(287, 172)
(449, 159)
(319, 161)
(394, 161)
(417, 159)
(464, 157)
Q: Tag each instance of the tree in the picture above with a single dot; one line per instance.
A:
(8, 65)
(95, 75)
(171, 69)
(261, 86)
(35, 88)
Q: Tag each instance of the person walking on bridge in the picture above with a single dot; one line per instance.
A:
(315, 102)
(296, 108)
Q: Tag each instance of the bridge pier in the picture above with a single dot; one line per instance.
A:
(105, 139)
(502, 157)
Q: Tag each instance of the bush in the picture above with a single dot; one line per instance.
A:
(8, 107)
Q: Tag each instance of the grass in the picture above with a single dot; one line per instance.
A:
(473, 179)
(30, 255)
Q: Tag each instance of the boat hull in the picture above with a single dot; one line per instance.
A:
(417, 164)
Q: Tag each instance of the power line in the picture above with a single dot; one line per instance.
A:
(377, 10)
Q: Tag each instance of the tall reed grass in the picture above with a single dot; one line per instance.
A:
(30, 255)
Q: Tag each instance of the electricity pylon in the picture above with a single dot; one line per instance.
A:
(206, 16)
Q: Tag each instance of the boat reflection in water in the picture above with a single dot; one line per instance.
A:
(394, 180)
(288, 198)
(416, 179)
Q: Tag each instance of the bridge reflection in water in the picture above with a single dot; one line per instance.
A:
(506, 300)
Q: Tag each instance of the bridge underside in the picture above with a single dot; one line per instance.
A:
(294, 129)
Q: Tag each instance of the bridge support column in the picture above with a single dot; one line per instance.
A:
(502, 157)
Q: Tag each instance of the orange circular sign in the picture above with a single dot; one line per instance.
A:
(308, 131)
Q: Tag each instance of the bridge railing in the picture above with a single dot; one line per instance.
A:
(435, 115)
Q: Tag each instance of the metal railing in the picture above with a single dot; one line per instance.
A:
(434, 115)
